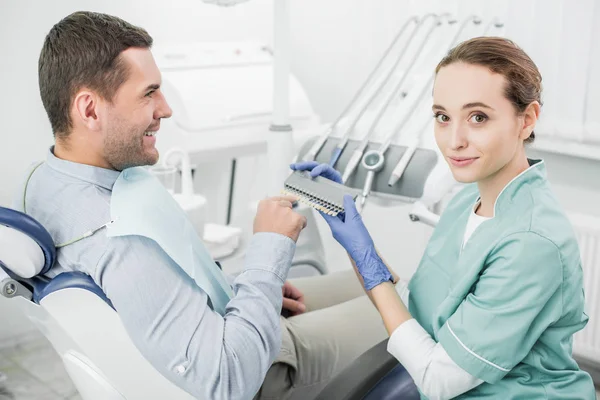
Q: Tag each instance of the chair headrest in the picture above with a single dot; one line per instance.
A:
(27, 248)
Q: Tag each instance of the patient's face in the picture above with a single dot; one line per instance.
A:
(476, 127)
(136, 110)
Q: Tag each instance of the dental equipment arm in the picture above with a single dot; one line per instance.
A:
(312, 153)
(495, 23)
(434, 191)
(344, 141)
(358, 152)
(424, 215)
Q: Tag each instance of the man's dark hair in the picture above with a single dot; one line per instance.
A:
(83, 51)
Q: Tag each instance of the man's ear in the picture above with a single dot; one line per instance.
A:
(86, 110)
(530, 117)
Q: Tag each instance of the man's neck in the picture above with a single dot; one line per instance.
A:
(490, 188)
(82, 153)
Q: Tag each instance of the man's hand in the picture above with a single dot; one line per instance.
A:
(293, 300)
(276, 215)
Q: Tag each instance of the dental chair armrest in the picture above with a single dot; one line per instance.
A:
(357, 380)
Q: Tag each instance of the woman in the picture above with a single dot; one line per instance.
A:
(493, 306)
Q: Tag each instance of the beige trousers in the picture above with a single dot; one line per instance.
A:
(340, 324)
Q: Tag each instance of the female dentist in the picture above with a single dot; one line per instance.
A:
(493, 306)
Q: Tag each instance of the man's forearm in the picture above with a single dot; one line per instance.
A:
(168, 317)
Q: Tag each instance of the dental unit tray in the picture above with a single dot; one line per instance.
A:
(319, 193)
(409, 188)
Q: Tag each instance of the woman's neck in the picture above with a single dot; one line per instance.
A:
(490, 187)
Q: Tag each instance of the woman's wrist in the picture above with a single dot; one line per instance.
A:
(372, 268)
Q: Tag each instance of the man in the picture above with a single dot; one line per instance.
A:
(101, 90)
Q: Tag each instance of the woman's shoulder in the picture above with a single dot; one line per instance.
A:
(540, 212)
(536, 214)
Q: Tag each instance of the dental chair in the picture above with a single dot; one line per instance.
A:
(97, 352)
(375, 375)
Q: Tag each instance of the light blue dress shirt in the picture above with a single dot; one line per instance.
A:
(166, 314)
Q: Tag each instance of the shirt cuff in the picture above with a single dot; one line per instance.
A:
(467, 359)
(410, 344)
(270, 252)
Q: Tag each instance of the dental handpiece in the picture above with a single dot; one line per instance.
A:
(316, 147)
(407, 156)
(357, 155)
(373, 162)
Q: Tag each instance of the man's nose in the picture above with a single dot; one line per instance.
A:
(163, 110)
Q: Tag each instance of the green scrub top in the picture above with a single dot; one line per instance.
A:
(506, 306)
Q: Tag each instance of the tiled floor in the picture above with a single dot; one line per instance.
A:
(31, 370)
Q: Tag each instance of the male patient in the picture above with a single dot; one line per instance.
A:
(101, 90)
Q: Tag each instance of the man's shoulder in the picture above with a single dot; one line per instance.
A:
(66, 207)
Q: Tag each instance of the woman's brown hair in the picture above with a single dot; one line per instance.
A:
(502, 56)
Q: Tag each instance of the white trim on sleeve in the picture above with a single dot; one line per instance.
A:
(473, 353)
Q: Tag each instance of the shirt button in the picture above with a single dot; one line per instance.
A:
(180, 369)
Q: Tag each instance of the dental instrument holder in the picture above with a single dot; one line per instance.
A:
(408, 189)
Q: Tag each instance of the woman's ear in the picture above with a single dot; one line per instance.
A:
(530, 117)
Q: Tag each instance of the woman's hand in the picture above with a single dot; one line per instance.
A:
(349, 230)
(316, 169)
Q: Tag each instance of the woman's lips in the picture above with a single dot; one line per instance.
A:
(462, 161)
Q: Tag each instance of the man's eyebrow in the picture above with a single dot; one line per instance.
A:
(152, 86)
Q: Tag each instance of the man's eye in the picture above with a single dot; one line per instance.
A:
(150, 93)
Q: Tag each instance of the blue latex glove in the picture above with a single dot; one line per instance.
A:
(349, 230)
(316, 169)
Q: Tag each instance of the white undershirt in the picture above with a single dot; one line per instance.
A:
(472, 224)
(436, 375)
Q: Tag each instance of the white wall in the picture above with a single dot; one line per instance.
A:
(335, 44)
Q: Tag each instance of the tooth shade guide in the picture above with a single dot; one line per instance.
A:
(318, 193)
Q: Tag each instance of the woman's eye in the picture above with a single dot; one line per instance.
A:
(441, 118)
(478, 118)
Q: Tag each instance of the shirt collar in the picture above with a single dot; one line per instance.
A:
(102, 177)
(535, 174)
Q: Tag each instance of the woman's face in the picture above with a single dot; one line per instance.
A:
(477, 129)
